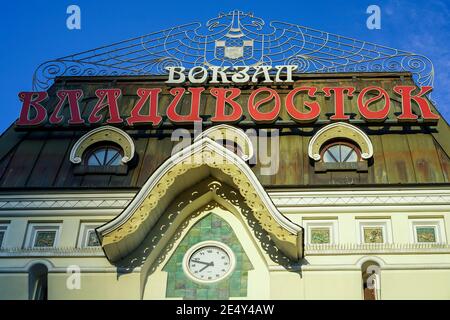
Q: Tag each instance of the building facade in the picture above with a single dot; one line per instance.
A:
(109, 190)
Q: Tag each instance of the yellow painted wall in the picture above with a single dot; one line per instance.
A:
(13, 286)
(95, 286)
(415, 284)
(420, 275)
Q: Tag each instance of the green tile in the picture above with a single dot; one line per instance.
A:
(210, 227)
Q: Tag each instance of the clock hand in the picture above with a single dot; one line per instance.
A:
(211, 264)
(198, 261)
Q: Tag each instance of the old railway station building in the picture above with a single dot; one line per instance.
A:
(320, 170)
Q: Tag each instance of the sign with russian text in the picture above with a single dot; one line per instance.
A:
(263, 102)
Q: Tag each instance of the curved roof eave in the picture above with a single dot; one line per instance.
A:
(143, 210)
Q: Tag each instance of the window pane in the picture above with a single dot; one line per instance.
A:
(100, 154)
(373, 235)
(335, 152)
(347, 154)
(44, 239)
(110, 154)
(320, 235)
(340, 153)
(426, 234)
(113, 158)
(351, 157)
(93, 161)
(92, 240)
(106, 156)
(2, 235)
(327, 157)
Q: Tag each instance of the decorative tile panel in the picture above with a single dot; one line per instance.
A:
(44, 239)
(373, 235)
(426, 234)
(320, 235)
(179, 285)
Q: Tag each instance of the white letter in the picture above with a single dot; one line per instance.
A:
(180, 134)
(197, 71)
(74, 280)
(264, 70)
(374, 21)
(273, 159)
(74, 20)
(216, 71)
(289, 70)
(241, 76)
(176, 70)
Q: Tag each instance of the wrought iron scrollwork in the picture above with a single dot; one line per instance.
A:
(236, 39)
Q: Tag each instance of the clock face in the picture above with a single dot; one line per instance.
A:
(209, 262)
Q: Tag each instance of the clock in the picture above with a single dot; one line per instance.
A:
(209, 261)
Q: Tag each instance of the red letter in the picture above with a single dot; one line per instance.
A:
(28, 102)
(314, 107)
(222, 99)
(367, 114)
(111, 96)
(338, 100)
(405, 93)
(152, 115)
(264, 117)
(194, 115)
(73, 97)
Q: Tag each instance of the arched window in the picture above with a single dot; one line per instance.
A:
(339, 152)
(340, 147)
(104, 155)
(371, 280)
(38, 282)
(104, 150)
(102, 158)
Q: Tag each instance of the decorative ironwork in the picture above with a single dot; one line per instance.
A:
(236, 39)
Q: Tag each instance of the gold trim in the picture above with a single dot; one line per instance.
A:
(212, 160)
(106, 133)
(340, 130)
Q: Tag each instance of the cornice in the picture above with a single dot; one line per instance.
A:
(376, 248)
(358, 198)
(310, 250)
(51, 252)
(282, 199)
(73, 201)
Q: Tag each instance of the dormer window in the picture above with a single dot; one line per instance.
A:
(340, 147)
(106, 155)
(340, 155)
(105, 150)
(339, 152)
(102, 158)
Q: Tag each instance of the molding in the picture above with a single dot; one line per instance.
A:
(310, 250)
(282, 199)
(51, 252)
(104, 133)
(74, 201)
(340, 130)
(360, 197)
(420, 266)
(35, 227)
(112, 270)
(376, 248)
(208, 158)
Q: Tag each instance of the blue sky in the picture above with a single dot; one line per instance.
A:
(35, 31)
